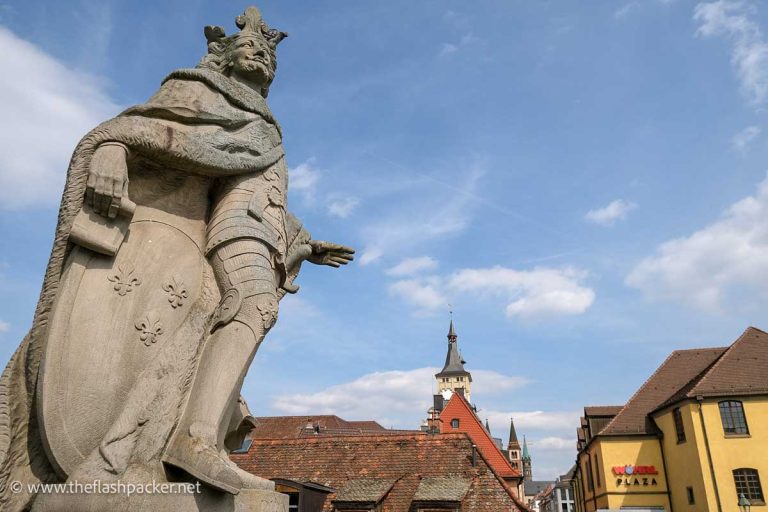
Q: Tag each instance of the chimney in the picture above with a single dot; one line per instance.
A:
(439, 403)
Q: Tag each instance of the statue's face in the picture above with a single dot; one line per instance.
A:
(251, 59)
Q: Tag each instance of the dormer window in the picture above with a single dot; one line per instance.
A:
(455, 423)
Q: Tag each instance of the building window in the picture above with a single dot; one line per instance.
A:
(588, 471)
(679, 428)
(748, 483)
(293, 502)
(455, 423)
(597, 471)
(691, 498)
(732, 414)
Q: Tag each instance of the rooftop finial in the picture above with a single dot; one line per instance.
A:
(451, 331)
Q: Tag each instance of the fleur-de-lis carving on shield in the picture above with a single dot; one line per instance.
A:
(177, 293)
(124, 279)
(150, 329)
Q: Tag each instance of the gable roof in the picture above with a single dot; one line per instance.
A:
(291, 427)
(536, 487)
(368, 490)
(459, 408)
(442, 488)
(740, 370)
(363, 467)
(680, 368)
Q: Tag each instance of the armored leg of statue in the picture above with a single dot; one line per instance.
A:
(247, 311)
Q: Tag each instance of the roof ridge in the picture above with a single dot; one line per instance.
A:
(291, 416)
(416, 436)
(675, 353)
(674, 397)
(466, 404)
(712, 368)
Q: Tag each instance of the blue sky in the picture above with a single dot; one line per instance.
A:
(584, 182)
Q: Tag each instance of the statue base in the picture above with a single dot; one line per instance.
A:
(207, 500)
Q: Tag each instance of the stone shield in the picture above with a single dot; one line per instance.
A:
(112, 317)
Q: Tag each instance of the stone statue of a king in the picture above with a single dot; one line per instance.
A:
(172, 251)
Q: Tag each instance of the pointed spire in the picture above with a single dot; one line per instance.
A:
(451, 331)
(513, 443)
(454, 363)
(526, 455)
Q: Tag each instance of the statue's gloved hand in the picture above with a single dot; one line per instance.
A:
(327, 253)
(107, 179)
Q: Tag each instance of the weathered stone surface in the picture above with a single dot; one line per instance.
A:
(172, 251)
(207, 501)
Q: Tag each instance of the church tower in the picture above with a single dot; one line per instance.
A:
(513, 448)
(527, 466)
(453, 377)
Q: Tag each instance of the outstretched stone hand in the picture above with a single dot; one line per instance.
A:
(327, 253)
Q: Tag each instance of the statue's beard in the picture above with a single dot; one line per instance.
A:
(255, 71)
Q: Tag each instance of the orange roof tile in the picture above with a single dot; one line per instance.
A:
(405, 459)
(459, 408)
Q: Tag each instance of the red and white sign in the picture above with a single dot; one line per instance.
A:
(630, 470)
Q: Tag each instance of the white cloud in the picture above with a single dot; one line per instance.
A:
(411, 266)
(608, 215)
(429, 216)
(531, 420)
(343, 207)
(529, 293)
(46, 109)
(729, 255)
(493, 382)
(4, 326)
(465, 40)
(625, 9)
(424, 295)
(732, 19)
(447, 49)
(303, 178)
(369, 255)
(742, 140)
(394, 398)
(555, 443)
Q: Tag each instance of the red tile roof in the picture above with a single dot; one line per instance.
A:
(459, 408)
(405, 459)
(602, 410)
(742, 369)
(679, 369)
(292, 427)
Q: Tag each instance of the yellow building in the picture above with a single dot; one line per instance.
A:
(694, 437)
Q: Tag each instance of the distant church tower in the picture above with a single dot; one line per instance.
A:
(453, 377)
(527, 465)
(513, 448)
